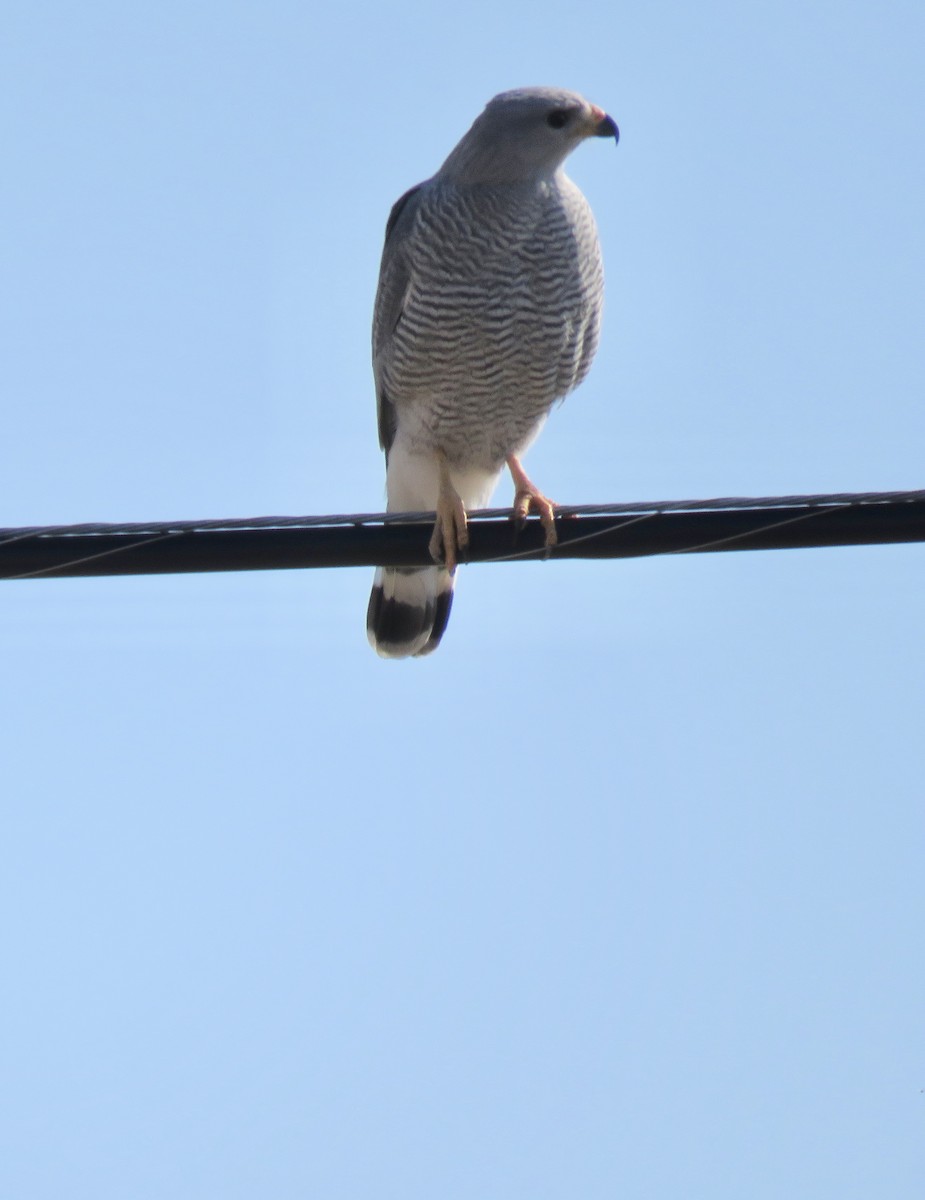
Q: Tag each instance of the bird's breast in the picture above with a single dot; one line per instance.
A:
(500, 317)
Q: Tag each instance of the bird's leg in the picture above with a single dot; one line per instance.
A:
(451, 533)
(526, 496)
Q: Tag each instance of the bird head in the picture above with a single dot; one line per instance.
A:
(525, 134)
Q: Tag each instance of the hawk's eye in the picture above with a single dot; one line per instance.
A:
(557, 118)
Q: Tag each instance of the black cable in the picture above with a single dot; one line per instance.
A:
(400, 539)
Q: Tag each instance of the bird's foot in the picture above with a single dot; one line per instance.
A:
(528, 496)
(450, 537)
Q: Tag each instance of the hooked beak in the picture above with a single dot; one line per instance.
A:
(606, 126)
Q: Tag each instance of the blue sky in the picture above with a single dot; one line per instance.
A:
(620, 892)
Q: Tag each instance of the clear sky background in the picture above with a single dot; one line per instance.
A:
(621, 892)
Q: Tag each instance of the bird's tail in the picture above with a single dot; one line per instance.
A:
(408, 610)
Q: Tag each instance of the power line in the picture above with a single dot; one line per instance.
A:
(400, 539)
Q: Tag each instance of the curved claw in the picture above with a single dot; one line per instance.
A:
(528, 496)
(451, 528)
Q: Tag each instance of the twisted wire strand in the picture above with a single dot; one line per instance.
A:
(145, 533)
(617, 509)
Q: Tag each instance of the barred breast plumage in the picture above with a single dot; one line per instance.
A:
(500, 318)
(488, 311)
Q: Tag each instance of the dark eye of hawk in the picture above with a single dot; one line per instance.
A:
(557, 118)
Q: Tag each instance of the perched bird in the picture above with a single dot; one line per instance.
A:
(488, 311)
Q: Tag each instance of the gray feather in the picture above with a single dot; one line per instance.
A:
(393, 283)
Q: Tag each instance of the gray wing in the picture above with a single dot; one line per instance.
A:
(394, 276)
